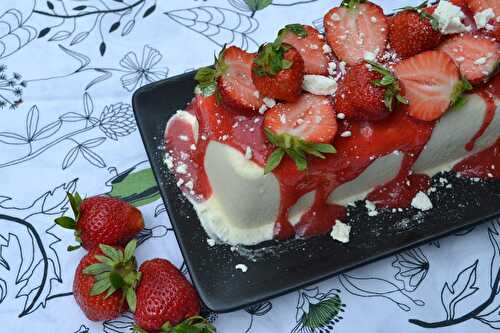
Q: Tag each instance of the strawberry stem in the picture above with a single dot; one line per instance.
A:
(390, 83)
(296, 148)
(207, 76)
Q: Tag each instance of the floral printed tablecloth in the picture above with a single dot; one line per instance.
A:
(67, 72)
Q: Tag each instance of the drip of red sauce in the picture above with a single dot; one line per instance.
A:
(484, 165)
(369, 141)
(398, 133)
(488, 118)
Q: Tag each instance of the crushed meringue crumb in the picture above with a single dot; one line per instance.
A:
(210, 242)
(180, 182)
(269, 102)
(346, 134)
(262, 109)
(340, 115)
(372, 209)
(421, 201)
(189, 185)
(327, 49)
(181, 168)
(248, 153)
(241, 267)
(340, 231)
(256, 93)
(183, 138)
(192, 147)
(335, 17)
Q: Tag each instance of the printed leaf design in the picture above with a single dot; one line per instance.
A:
(127, 28)
(135, 185)
(378, 287)
(79, 37)
(462, 287)
(494, 237)
(220, 25)
(32, 122)
(103, 77)
(89, 154)
(60, 35)
(70, 157)
(412, 267)
(47, 130)
(250, 5)
(11, 138)
(14, 32)
(81, 58)
(88, 104)
(123, 324)
(318, 312)
(35, 270)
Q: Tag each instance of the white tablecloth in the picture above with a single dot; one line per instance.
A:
(68, 69)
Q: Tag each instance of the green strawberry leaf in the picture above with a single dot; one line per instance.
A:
(113, 253)
(75, 201)
(100, 286)
(295, 148)
(73, 247)
(351, 4)
(130, 249)
(131, 299)
(105, 260)
(66, 222)
(390, 83)
(324, 148)
(96, 269)
(274, 160)
(207, 76)
(255, 5)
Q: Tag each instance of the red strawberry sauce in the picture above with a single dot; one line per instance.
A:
(397, 134)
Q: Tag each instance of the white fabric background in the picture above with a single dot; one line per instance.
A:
(58, 139)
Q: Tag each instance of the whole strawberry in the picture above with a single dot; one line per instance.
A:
(165, 299)
(104, 279)
(278, 71)
(413, 31)
(368, 92)
(102, 220)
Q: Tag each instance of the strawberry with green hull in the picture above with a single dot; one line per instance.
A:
(231, 80)
(356, 29)
(105, 280)
(477, 57)
(368, 92)
(413, 30)
(101, 220)
(431, 83)
(312, 47)
(278, 71)
(304, 127)
(166, 301)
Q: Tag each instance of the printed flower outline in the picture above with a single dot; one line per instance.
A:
(318, 312)
(412, 268)
(139, 73)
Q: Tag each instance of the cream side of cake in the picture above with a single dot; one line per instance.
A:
(245, 202)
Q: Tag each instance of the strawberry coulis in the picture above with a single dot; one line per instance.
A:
(486, 163)
(398, 133)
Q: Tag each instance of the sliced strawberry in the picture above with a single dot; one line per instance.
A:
(476, 56)
(235, 85)
(480, 8)
(311, 118)
(313, 49)
(431, 83)
(356, 30)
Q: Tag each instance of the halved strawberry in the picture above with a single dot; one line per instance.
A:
(232, 80)
(311, 46)
(477, 57)
(299, 128)
(431, 83)
(356, 30)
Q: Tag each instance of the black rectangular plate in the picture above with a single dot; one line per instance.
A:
(275, 268)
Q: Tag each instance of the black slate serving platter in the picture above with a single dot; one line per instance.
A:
(275, 268)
